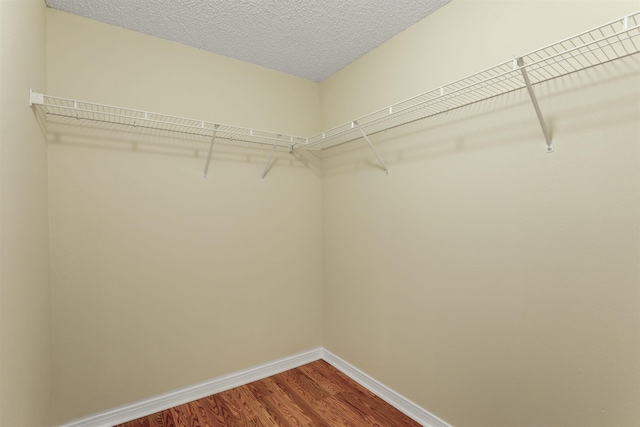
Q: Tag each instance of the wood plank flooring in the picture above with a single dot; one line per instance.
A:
(316, 394)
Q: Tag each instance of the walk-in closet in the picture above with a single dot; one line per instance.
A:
(450, 223)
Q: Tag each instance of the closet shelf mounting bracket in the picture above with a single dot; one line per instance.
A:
(213, 139)
(266, 167)
(366, 138)
(534, 101)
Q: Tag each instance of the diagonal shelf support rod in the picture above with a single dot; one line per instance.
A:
(213, 139)
(366, 138)
(266, 167)
(534, 101)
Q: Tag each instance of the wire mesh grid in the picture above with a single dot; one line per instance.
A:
(67, 111)
(603, 44)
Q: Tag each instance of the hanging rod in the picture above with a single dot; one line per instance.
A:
(608, 42)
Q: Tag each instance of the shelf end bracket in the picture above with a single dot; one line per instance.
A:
(35, 98)
(366, 138)
(213, 139)
(534, 101)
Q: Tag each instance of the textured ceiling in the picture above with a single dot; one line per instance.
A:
(311, 39)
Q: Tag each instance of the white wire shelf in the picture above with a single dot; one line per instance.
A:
(70, 111)
(606, 43)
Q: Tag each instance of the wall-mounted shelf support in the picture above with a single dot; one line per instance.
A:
(266, 167)
(534, 101)
(213, 139)
(366, 138)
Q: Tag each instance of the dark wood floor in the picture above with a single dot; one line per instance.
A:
(315, 394)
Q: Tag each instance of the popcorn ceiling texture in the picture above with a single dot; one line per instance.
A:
(311, 39)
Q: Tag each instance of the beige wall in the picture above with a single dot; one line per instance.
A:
(161, 278)
(25, 344)
(488, 281)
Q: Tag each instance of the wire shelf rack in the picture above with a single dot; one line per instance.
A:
(603, 44)
(69, 111)
(608, 42)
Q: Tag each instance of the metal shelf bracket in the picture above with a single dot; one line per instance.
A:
(213, 139)
(266, 167)
(366, 138)
(534, 101)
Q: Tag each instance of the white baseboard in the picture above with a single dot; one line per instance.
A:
(394, 399)
(181, 396)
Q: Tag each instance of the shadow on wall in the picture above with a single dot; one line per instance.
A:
(501, 121)
(139, 140)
